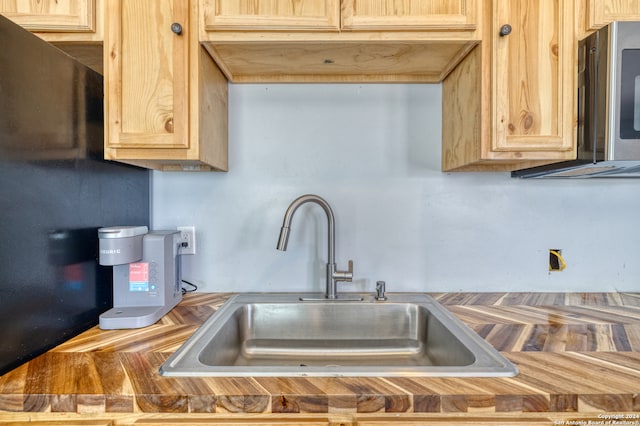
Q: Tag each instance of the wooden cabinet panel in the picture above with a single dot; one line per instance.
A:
(601, 12)
(165, 99)
(515, 94)
(533, 71)
(271, 14)
(149, 109)
(75, 26)
(59, 423)
(343, 62)
(310, 41)
(52, 15)
(240, 421)
(409, 14)
(340, 14)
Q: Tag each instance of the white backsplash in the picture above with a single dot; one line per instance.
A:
(373, 152)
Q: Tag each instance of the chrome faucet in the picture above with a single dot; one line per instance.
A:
(333, 275)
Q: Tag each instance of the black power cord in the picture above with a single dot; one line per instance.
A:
(185, 291)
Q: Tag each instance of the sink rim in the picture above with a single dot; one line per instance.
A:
(185, 362)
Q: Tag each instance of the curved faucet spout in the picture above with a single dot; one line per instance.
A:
(283, 240)
(333, 275)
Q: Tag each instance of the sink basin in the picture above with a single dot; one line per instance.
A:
(271, 334)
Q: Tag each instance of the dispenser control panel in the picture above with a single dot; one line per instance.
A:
(143, 277)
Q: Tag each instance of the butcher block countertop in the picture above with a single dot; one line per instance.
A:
(578, 355)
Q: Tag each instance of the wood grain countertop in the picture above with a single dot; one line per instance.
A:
(576, 352)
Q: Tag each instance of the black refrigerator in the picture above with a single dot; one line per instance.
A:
(55, 192)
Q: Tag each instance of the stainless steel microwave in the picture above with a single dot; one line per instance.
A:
(608, 138)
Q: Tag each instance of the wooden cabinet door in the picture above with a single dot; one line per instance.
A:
(409, 14)
(271, 14)
(147, 89)
(533, 76)
(52, 15)
(601, 12)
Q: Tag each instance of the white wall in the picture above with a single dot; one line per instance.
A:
(373, 152)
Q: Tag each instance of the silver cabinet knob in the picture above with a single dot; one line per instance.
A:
(505, 30)
(176, 28)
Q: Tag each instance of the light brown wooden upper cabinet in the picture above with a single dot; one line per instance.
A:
(511, 103)
(57, 20)
(323, 15)
(75, 26)
(409, 14)
(272, 14)
(165, 99)
(601, 12)
(339, 40)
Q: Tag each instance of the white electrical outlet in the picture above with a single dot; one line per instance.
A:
(187, 239)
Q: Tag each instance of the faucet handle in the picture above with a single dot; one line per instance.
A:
(344, 275)
(349, 273)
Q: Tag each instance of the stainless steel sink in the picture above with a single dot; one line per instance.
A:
(271, 334)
